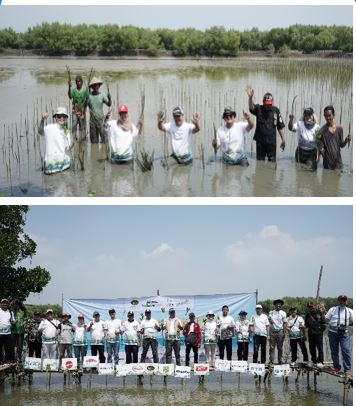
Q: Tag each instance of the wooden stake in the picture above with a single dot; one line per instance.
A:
(319, 281)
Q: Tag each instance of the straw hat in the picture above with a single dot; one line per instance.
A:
(60, 111)
(95, 81)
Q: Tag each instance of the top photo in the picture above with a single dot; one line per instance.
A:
(166, 101)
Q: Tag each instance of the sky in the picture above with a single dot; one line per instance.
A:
(109, 252)
(200, 17)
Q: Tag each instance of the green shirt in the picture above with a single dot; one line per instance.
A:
(20, 318)
(96, 105)
(78, 97)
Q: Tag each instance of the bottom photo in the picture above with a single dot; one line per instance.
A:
(168, 305)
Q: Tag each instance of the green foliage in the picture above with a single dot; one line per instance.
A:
(300, 303)
(17, 281)
(83, 39)
(285, 51)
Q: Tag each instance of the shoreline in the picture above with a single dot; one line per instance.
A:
(141, 54)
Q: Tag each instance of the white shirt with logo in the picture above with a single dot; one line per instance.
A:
(130, 332)
(306, 136)
(97, 333)
(148, 327)
(295, 325)
(224, 322)
(231, 140)
(79, 334)
(242, 330)
(121, 141)
(209, 332)
(49, 331)
(112, 327)
(278, 317)
(260, 323)
(5, 322)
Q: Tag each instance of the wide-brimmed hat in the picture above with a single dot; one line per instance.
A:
(60, 111)
(95, 81)
(278, 301)
(229, 111)
(210, 313)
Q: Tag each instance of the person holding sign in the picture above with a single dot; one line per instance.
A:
(48, 331)
(260, 328)
(296, 329)
(149, 327)
(192, 334)
(6, 321)
(278, 322)
(130, 329)
(227, 328)
(243, 334)
(113, 336)
(210, 333)
(172, 327)
(97, 334)
(79, 340)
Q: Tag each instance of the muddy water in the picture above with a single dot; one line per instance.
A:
(29, 86)
(230, 390)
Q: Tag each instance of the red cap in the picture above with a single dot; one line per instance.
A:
(80, 316)
(123, 109)
(268, 98)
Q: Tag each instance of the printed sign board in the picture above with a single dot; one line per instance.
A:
(182, 372)
(222, 365)
(50, 364)
(239, 366)
(35, 364)
(106, 369)
(91, 361)
(166, 369)
(256, 369)
(135, 369)
(121, 370)
(281, 370)
(150, 369)
(201, 369)
(69, 364)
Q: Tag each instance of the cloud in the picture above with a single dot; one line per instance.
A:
(164, 251)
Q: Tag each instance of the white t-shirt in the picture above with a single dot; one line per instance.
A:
(295, 324)
(278, 318)
(180, 136)
(242, 329)
(231, 140)
(226, 321)
(260, 323)
(130, 330)
(5, 322)
(112, 327)
(209, 332)
(120, 141)
(49, 331)
(97, 333)
(306, 136)
(79, 334)
(65, 334)
(57, 144)
(148, 327)
(339, 316)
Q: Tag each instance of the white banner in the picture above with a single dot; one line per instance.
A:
(106, 369)
(182, 372)
(33, 363)
(166, 369)
(201, 369)
(222, 365)
(91, 361)
(121, 370)
(256, 369)
(281, 370)
(50, 364)
(239, 366)
(69, 364)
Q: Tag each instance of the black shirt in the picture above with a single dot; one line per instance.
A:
(267, 121)
(315, 322)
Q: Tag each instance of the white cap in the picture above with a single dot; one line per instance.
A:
(258, 306)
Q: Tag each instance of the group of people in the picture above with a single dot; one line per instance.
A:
(119, 135)
(46, 336)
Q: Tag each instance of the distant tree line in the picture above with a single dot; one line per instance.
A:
(300, 303)
(83, 39)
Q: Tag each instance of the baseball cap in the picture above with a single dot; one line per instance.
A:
(130, 313)
(243, 312)
(148, 311)
(112, 311)
(123, 109)
(258, 306)
(268, 98)
(4, 301)
(80, 316)
(308, 111)
(177, 111)
(210, 313)
(171, 310)
(49, 311)
(96, 313)
(342, 297)
(191, 315)
(36, 313)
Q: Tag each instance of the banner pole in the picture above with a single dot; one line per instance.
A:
(62, 302)
(256, 296)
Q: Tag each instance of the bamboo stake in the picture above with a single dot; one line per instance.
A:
(319, 282)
